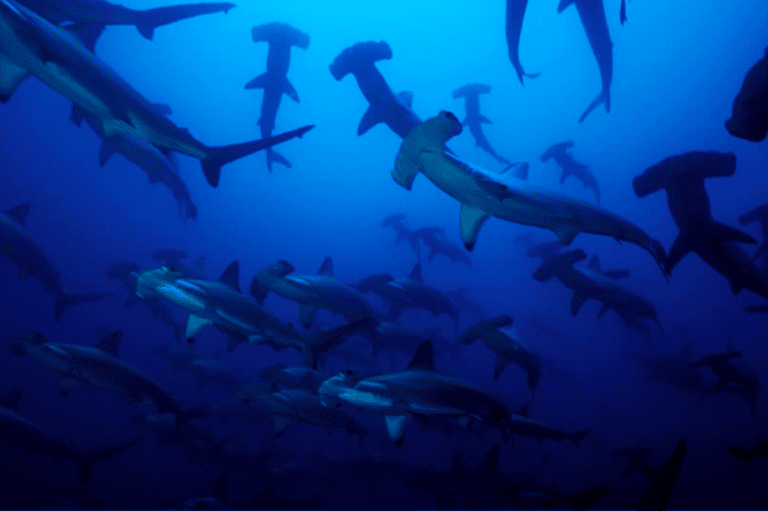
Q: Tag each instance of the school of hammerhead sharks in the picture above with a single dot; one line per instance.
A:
(54, 41)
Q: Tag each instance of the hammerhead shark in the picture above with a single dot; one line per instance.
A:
(474, 120)
(571, 167)
(514, 26)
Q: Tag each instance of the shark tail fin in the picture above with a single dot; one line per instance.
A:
(150, 19)
(66, 299)
(586, 500)
(603, 97)
(738, 451)
(275, 157)
(578, 437)
(218, 156)
(90, 459)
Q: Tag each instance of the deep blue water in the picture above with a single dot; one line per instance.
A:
(677, 69)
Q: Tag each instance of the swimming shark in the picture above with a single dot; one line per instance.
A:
(733, 377)
(178, 260)
(159, 166)
(543, 250)
(759, 450)
(638, 460)
(682, 176)
(514, 26)
(18, 432)
(749, 118)
(759, 214)
(460, 297)
(474, 120)
(403, 233)
(31, 45)
(439, 244)
(219, 303)
(20, 249)
(592, 15)
(101, 367)
(385, 107)
(214, 370)
(104, 13)
(417, 390)
(506, 344)
(658, 494)
(483, 194)
(410, 292)
(673, 369)
(280, 37)
(571, 167)
(312, 292)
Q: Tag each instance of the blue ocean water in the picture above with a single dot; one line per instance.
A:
(676, 71)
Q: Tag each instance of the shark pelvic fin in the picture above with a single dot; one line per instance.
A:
(195, 324)
(396, 427)
(110, 343)
(231, 276)
(11, 76)
(472, 220)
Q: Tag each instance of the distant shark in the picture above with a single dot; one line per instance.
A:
(395, 221)
(749, 118)
(682, 176)
(543, 250)
(592, 15)
(760, 215)
(514, 26)
(571, 167)
(732, 377)
(439, 245)
(31, 45)
(759, 450)
(674, 370)
(18, 247)
(658, 494)
(385, 107)
(474, 120)
(280, 37)
(483, 194)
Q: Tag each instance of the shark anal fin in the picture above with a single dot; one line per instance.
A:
(501, 363)
(576, 302)
(195, 324)
(306, 315)
(289, 91)
(472, 220)
(371, 118)
(109, 146)
(396, 427)
(11, 76)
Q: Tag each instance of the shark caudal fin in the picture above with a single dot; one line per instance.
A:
(150, 19)
(219, 156)
(586, 500)
(276, 158)
(603, 97)
(90, 459)
(66, 299)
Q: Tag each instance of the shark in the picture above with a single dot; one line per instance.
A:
(20, 249)
(475, 120)
(218, 303)
(483, 194)
(638, 460)
(759, 450)
(570, 167)
(384, 105)
(280, 37)
(410, 292)
(403, 233)
(507, 346)
(214, 370)
(760, 215)
(658, 494)
(439, 244)
(178, 260)
(514, 27)
(682, 177)
(749, 117)
(592, 15)
(460, 297)
(102, 13)
(733, 377)
(543, 250)
(17, 432)
(101, 367)
(312, 292)
(673, 369)
(32, 46)
(598, 284)
(160, 166)
(417, 390)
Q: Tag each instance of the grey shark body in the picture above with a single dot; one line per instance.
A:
(418, 390)
(20, 249)
(219, 303)
(31, 45)
(385, 106)
(674, 370)
(543, 250)
(732, 376)
(682, 177)
(592, 15)
(514, 27)
(749, 118)
(474, 120)
(280, 37)
(508, 348)
(439, 244)
(571, 167)
(483, 194)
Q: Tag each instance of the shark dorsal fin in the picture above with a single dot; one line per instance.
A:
(19, 213)
(491, 459)
(110, 343)
(326, 269)
(231, 276)
(416, 273)
(594, 263)
(457, 464)
(220, 488)
(524, 410)
(423, 359)
(11, 400)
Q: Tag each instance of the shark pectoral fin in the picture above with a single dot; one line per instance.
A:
(371, 118)
(564, 4)
(306, 315)
(66, 385)
(109, 147)
(195, 324)
(406, 168)
(501, 363)
(725, 232)
(289, 91)
(566, 232)
(281, 424)
(576, 302)
(11, 76)
(396, 426)
(260, 82)
(472, 220)
(485, 120)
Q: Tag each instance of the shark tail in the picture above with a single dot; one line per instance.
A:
(66, 299)
(604, 97)
(586, 500)
(150, 19)
(219, 156)
(738, 451)
(275, 157)
(578, 437)
(522, 74)
(90, 459)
